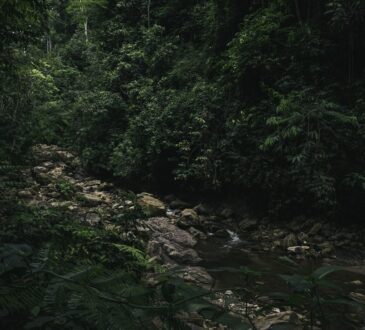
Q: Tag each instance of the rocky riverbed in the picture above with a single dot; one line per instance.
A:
(200, 237)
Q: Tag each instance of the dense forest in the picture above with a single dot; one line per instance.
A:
(258, 102)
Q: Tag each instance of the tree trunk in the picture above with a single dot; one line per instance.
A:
(297, 9)
(86, 30)
(148, 13)
(351, 50)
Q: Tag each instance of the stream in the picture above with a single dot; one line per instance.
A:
(234, 252)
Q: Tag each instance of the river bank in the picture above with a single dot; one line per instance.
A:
(209, 242)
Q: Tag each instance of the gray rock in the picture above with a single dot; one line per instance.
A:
(188, 219)
(197, 275)
(170, 244)
(197, 233)
(151, 205)
(222, 233)
(203, 209)
(170, 252)
(90, 199)
(298, 248)
(93, 219)
(161, 227)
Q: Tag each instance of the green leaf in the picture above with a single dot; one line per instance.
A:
(324, 271)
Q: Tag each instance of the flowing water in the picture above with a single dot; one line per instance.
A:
(235, 252)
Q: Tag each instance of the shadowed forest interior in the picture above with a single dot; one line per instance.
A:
(195, 164)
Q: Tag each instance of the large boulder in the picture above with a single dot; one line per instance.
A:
(189, 218)
(197, 275)
(170, 244)
(152, 206)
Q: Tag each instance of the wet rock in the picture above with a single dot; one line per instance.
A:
(203, 209)
(290, 240)
(179, 204)
(289, 320)
(188, 218)
(248, 224)
(197, 233)
(221, 233)
(151, 205)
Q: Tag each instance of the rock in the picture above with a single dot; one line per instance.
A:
(56, 173)
(197, 275)
(288, 319)
(170, 244)
(248, 224)
(290, 240)
(25, 194)
(202, 209)
(315, 229)
(151, 205)
(62, 204)
(227, 213)
(188, 218)
(326, 248)
(170, 198)
(298, 249)
(276, 245)
(222, 233)
(161, 227)
(65, 155)
(197, 233)
(179, 204)
(358, 297)
(92, 183)
(53, 194)
(91, 199)
(170, 252)
(93, 219)
(356, 282)
(39, 169)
